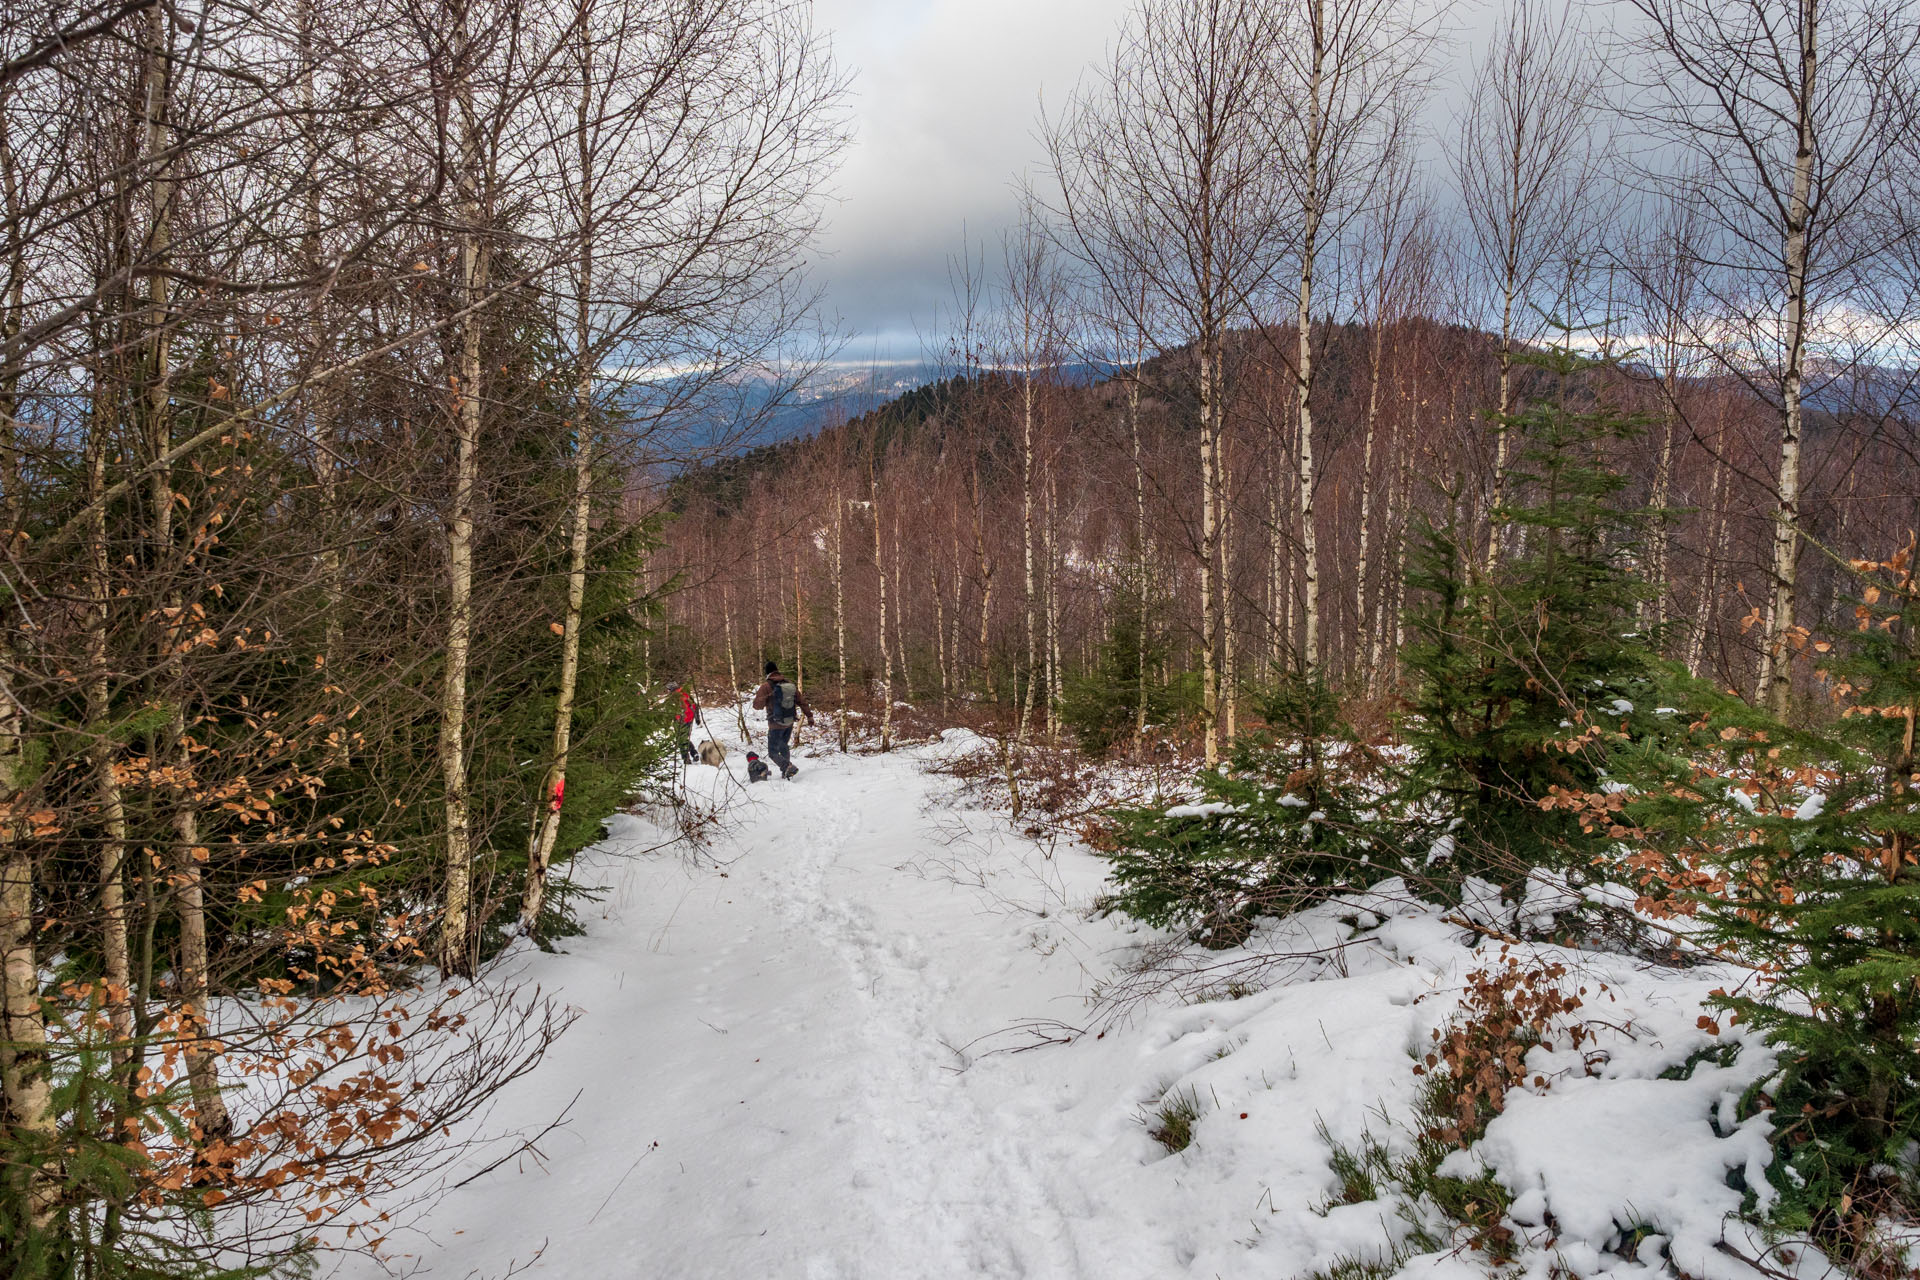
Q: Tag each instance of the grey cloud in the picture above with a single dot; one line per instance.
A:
(946, 104)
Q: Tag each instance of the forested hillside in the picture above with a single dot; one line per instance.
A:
(325, 512)
(1406, 413)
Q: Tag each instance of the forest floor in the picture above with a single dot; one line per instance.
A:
(866, 1030)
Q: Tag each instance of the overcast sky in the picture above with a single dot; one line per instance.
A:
(946, 106)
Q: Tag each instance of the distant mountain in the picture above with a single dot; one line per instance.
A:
(843, 390)
(770, 409)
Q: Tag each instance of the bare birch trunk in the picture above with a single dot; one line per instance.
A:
(1209, 539)
(733, 669)
(799, 635)
(1309, 540)
(540, 856)
(1384, 596)
(459, 936)
(840, 612)
(880, 566)
(1399, 613)
(103, 753)
(1709, 596)
(1500, 443)
(1364, 642)
(1291, 500)
(1309, 248)
(1229, 672)
(1659, 535)
(25, 1087)
(1027, 695)
(959, 606)
(553, 789)
(1776, 671)
(23, 1049)
(1276, 555)
(939, 626)
(986, 584)
(1141, 554)
(900, 611)
(940, 632)
(1051, 539)
(200, 1052)
(759, 611)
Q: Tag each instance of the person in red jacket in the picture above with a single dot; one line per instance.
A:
(684, 720)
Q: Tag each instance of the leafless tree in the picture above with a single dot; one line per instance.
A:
(1777, 121)
(1524, 159)
(1169, 193)
(1348, 74)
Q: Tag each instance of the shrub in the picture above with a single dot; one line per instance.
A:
(1102, 705)
(1526, 676)
(1796, 848)
(1482, 1055)
(1508, 1008)
(1291, 821)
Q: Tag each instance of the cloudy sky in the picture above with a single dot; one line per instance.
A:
(946, 105)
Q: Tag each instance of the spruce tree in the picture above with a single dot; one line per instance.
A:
(1523, 675)
(1102, 704)
(1289, 821)
(1796, 847)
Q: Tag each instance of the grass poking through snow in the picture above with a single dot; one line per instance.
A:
(1172, 1124)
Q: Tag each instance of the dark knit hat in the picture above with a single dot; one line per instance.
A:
(772, 667)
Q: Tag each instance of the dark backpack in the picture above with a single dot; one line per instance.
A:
(781, 706)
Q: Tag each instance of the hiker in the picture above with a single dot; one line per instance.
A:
(684, 720)
(783, 702)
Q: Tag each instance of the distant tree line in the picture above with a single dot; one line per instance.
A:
(1313, 338)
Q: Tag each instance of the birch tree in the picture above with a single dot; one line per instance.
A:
(1779, 119)
(1349, 71)
(1168, 191)
(1524, 161)
(688, 172)
(1394, 275)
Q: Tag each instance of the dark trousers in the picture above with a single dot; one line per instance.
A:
(780, 745)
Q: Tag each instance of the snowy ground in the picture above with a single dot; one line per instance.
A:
(836, 1046)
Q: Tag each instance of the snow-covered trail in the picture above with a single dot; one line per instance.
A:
(795, 1059)
(769, 1057)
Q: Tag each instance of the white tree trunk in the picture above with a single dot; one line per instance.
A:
(459, 935)
(1361, 613)
(1029, 693)
(199, 1050)
(1314, 211)
(1142, 556)
(1776, 670)
(103, 752)
(23, 1037)
(1229, 672)
(840, 611)
(880, 566)
(580, 512)
(1209, 540)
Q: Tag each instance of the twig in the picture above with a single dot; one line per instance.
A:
(524, 1147)
(650, 1149)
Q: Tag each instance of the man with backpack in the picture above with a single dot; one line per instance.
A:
(784, 704)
